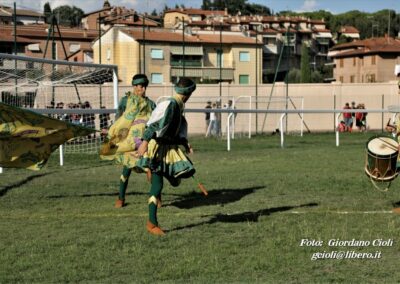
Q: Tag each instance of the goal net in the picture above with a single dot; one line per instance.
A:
(79, 93)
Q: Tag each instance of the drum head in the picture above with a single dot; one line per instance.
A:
(382, 146)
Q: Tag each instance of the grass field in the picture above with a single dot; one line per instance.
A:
(59, 224)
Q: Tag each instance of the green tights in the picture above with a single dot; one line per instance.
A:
(123, 182)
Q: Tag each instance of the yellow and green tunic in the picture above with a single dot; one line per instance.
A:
(124, 136)
(166, 131)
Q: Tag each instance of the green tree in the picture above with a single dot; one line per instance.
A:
(206, 5)
(305, 65)
(294, 76)
(236, 6)
(47, 12)
(317, 77)
(68, 16)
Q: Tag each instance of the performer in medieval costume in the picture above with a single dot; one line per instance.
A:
(124, 136)
(160, 151)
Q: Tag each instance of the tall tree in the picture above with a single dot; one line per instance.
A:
(236, 6)
(47, 12)
(305, 65)
(68, 16)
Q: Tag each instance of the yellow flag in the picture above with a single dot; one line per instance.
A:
(27, 138)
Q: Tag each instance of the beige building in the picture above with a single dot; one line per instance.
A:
(366, 61)
(175, 16)
(164, 55)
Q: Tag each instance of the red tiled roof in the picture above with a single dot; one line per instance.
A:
(29, 32)
(191, 11)
(349, 30)
(368, 46)
(165, 36)
(210, 23)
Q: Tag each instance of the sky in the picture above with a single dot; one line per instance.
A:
(333, 6)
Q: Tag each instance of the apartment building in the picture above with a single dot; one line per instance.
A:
(366, 61)
(164, 55)
(284, 35)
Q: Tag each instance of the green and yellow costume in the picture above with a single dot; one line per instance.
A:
(124, 136)
(166, 131)
(27, 139)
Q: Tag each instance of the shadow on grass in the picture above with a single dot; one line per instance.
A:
(4, 190)
(396, 204)
(95, 195)
(248, 216)
(215, 197)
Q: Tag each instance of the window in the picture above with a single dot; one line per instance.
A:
(74, 47)
(244, 79)
(373, 80)
(362, 60)
(220, 59)
(354, 61)
(352, 79)
(157, 78)
(341, 63)
(244, 56)
(373, 60)
(157, 53)
(341, 79)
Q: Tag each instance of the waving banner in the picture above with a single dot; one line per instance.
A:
(27, 138)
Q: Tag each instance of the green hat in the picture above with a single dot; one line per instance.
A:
(140, 79)
(185, 87)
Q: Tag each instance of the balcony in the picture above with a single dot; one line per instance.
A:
(211, 73)
(188, 63)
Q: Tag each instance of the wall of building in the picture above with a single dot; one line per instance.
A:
(170, 19)
(311, 96)
(364, 68)
(247, 68)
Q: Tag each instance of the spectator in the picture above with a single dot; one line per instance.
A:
(353, 114)
(232, 120)
(348, 118)
(104, 118)
(207, 118)
(218, 119)
(359, 116)
(364, 119)
(342, 126)
(212, 128)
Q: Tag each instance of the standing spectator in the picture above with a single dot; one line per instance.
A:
(104, 118)
(353, 114)
(207, 118)
(232, 120)
(212, 128)
(364, 119)
(88, 119)
(359, 116)
(218, 119)
(348, 118)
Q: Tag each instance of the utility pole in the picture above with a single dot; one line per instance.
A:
(220, 60)
(183, 45)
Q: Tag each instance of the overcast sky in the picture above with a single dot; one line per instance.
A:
(334, 6)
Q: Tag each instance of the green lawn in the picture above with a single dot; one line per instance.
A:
(59, 224)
